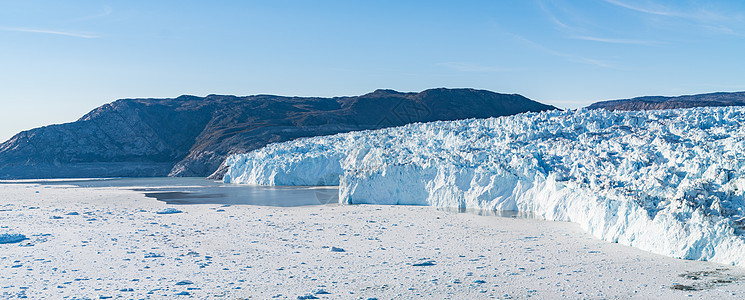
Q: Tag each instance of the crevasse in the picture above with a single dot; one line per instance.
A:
(670, 182)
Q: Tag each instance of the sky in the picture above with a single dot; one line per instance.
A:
(61, 59)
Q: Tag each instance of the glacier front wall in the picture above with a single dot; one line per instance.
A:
(670, 182)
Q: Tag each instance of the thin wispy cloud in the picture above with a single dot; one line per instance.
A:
(584, 33)
(51, 32)
(107, 11)
(649, 8)
(724, 30)
(553, 17)
(470, 67)
(718, 21)
(590, 61)
(617, 41)
(567, 56)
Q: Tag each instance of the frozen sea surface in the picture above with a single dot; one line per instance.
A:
(671, 182)
(115, 243)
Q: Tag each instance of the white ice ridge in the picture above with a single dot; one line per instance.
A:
(670, 182)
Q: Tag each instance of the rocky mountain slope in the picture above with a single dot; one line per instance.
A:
(192, 136)
(686, 101)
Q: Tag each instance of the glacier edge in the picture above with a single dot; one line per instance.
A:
(669, 182)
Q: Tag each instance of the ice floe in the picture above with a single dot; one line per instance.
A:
(9, 238)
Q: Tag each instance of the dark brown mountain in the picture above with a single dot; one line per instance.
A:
(191, 136)
(659, 102)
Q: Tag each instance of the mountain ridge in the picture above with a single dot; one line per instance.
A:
(715, 99)
(191, 135)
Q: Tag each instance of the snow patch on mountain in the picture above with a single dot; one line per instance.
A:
(670, 182)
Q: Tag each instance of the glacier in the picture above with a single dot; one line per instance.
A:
(670, 182)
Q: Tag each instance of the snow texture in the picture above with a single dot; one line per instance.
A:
(112, 251)
(670, 182)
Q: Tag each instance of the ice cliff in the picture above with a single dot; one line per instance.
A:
(670, 182)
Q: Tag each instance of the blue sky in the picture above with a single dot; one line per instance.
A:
(60, 59)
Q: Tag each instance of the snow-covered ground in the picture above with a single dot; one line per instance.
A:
(109, 242)
(670, 182)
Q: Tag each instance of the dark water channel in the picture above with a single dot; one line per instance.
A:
(197, 190)
(190, 190)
